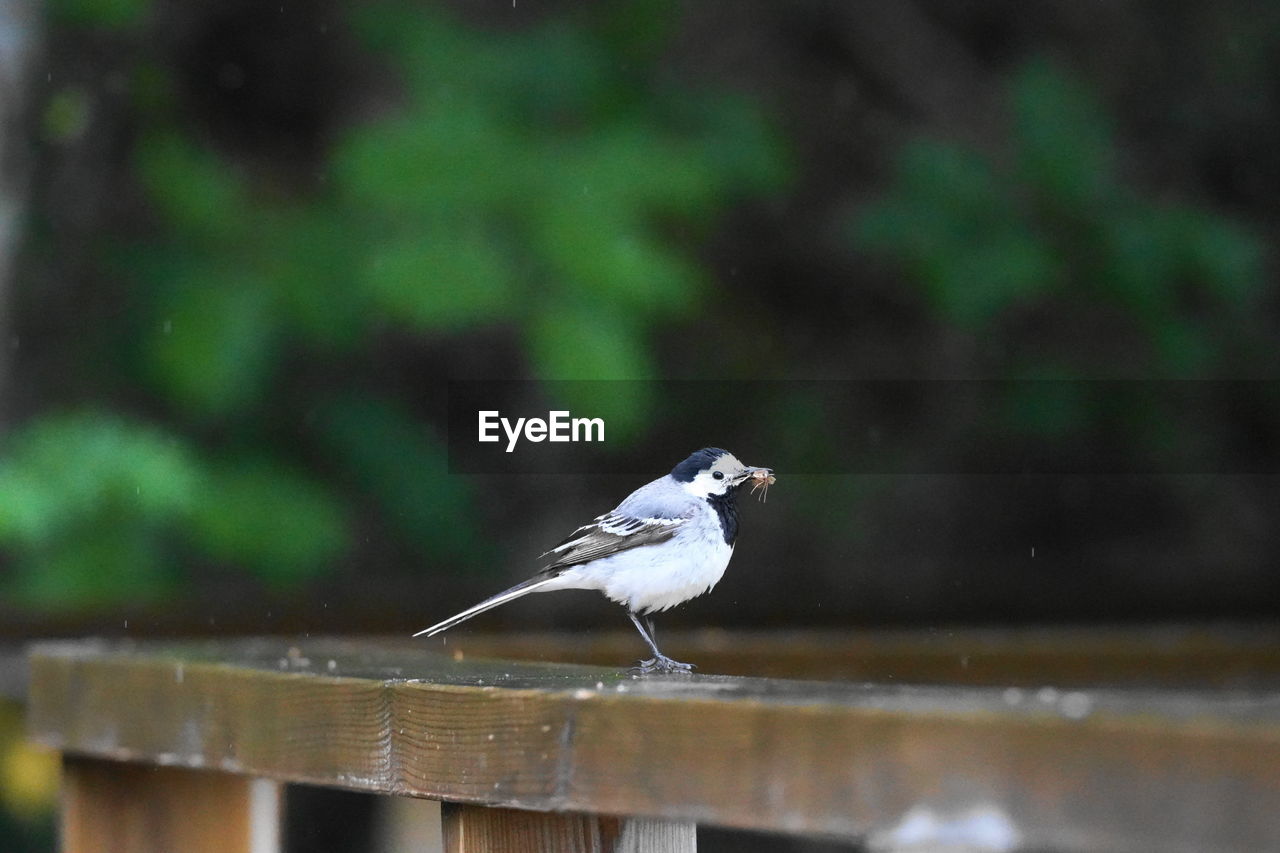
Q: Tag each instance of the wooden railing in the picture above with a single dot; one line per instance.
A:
(184, 746)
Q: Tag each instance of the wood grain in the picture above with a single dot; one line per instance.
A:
(1052, 768)
(113, 807)
(1220, 656)
(476, 829)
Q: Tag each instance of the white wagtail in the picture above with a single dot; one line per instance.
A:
(668, 542)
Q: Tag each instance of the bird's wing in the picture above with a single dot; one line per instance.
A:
(609, 534)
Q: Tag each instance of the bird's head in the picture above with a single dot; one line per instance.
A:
(714, 472)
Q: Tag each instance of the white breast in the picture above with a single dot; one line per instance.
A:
(658, 577)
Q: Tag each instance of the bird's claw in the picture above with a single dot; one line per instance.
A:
(661, 663)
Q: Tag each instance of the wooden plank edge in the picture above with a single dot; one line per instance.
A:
(841, 771)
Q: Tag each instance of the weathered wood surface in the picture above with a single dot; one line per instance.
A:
(111, 807)
(1045, 768)
(1170, 655)
(479, 829)
(1236, 656)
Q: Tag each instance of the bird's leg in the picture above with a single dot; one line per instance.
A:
(648, 637)
(659, 662)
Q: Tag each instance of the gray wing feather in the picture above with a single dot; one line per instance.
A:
(651, 514)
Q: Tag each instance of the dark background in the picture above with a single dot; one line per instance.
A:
(255, 242)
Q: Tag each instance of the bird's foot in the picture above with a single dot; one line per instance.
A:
(661, 663)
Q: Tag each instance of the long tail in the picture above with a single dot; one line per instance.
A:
(515, 592)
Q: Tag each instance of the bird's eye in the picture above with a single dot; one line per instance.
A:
(719, 475)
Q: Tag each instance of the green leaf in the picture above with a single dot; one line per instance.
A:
(455, 158)
(107, 14)
(597, 254)
(740, 148)
(405, 31)
(269, 518)
(945, 199)
(1064, 140)
(575, 76)
(96, 565)
(975, 288)
(404, 466)
(1223, 255)
(637, 29)
(214, 345)
(446, 280)
(62, 469)
(310, 264)
(581, 341)
(194, 190)
(86, 500)
(1139, 263)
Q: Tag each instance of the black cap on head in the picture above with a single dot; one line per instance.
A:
(697, 461)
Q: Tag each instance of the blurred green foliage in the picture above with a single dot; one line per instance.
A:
(1054, 226)
(1052, 238)
(85, 502)
(534, 181)
(104, 14)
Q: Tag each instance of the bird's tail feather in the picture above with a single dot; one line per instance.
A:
(515, 592)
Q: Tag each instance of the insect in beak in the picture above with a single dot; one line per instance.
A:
(761, 480)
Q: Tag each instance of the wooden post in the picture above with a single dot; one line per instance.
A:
(477, 829)
(409, 825)
(117, 807)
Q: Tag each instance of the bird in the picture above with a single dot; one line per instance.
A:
(667, 542)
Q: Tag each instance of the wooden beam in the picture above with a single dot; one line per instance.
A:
(1048, 767)
(120, 807)
(1093, 656)
(1163, 655)
(480, 829)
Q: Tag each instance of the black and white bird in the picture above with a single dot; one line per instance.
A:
(668, 542)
